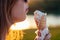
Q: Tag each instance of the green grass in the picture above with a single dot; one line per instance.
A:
(30, 34)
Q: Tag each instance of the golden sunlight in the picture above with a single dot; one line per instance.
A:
(20, 25)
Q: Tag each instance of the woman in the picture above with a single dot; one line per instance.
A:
(11, 11)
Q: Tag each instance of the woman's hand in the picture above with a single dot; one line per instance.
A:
(41, 23)
(36, 22)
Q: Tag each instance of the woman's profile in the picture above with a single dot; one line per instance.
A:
(11, 11)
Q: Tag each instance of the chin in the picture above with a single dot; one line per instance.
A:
(20, 20)
(23, 19)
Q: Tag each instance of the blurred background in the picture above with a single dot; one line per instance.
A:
(26, 30)
(52, 9)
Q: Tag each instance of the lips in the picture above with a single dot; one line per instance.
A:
(27, 10)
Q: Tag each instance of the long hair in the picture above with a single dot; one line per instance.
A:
(5, 15)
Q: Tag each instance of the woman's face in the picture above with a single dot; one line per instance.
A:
(20, 10)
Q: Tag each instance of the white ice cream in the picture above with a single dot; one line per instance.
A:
(38, 14)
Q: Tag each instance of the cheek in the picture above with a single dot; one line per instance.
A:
(18, 12)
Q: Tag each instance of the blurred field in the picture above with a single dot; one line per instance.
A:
(30, 35)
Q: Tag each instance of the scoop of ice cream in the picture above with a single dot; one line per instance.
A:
(38, 14)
